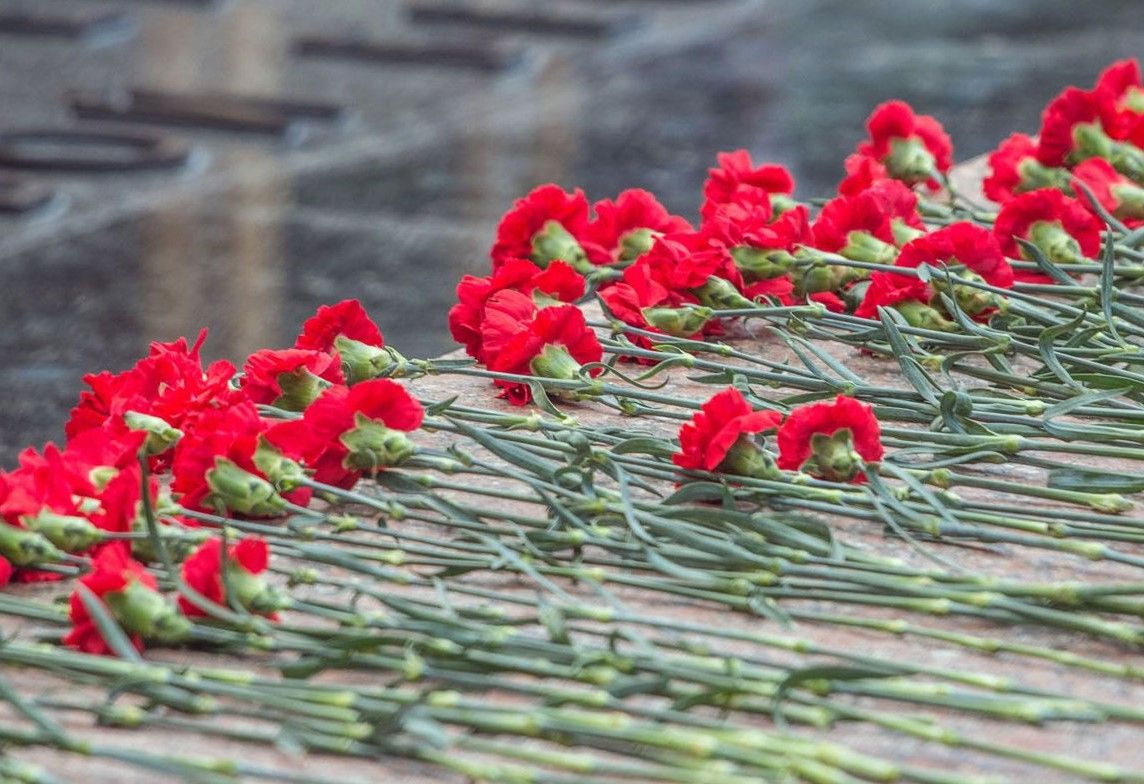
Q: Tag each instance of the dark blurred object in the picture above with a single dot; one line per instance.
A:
(92, 151)
(536, 22)
(478, 55)
(99, 28)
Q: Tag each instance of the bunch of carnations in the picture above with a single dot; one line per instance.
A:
(205, 440)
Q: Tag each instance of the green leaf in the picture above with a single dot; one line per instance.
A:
(644, 445)
(1087, 481)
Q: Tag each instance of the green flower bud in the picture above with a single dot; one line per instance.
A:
(636, 243)
(361, 361)
(782, 202)
(300, 388)
(747, 458)
(832, 457)
(27, 548)
(1130, 201)
(243, 492)
(1036, 175)
(284, 473)
(554, 361)
(553, 242)
(253, 593)
(143, 611)
(864, 246)
(818, 277)
(910, 161)
(160, 435)
(721, 294)
(904, 232)
(680, 322)
(760, 263)
(69, 533)
(922, 316)
(372, 446)
(1057, 244)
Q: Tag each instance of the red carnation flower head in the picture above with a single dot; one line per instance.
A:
(1118, 195)
(830, 440)
(908, 295)
(1061, 227)
(1120, 95)
(972, 247)
(1071, 131)
(169, 384)
(6, 571)
(862, 172)
(558, 282)
(129, 593)
(555, 344)
(290, 378)
(1014, 168)
(345, 328)
(719, 437)
(246, 561)
(643, 300)
(737, 178)
(223, 461)
(625, 228)
(351, 431)
(869, 225)
(759, 246)
(912, 147)
(545, 225)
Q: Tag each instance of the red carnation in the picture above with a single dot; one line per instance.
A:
(5, 571)
(643, 293)
(862, 172)
(558, 281)
(247, 559)
(169, 383)
(736, 177)
(1118, 195)
(130, 594)
(545, 225)
(887, 289)
(911, 146)
(346, 319)
(961, 243)
(718, 436)
(1014, 168)
(820, 439)
(1060, 226)
(625, 228)
(554, 344)
(1120, 95)
(739, 224)
(320, 438)
(1072, 108)
(301, 370)
(227, 441)
(873, 213)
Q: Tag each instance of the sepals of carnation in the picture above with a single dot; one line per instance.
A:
(910, 161)
(761, 263)
(554, 243)
(361, 361)
(160, 435)
(832, 457)
(721, 294)
(241, 491)
(70, 533)
(283, 472)
(143, 611)
(680, 322)
(24, 548)
(371, 446)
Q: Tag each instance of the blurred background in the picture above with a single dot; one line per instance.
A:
(167, 165)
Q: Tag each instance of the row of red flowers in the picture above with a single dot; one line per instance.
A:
(656, 272)
(187, 440)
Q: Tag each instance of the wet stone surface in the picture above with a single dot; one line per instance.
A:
(397, 202)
